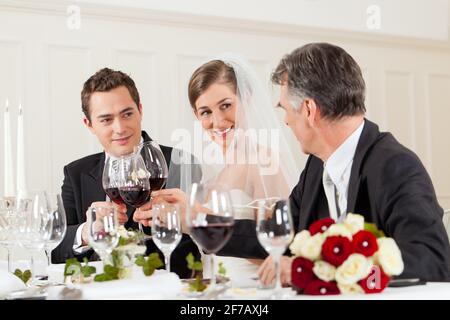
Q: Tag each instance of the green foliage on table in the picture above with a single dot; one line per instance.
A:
(149, 264)
(74, 268)
(192, 264)
(132, 237)
(24, 276)
(222, 270)
(196, 284)
(109, 273)
(115, 271)
(371, 227)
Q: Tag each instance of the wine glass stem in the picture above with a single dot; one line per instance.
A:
(33, 271)
(213, 272)
(48, 255)
(277, 275)
(9, 260)
(167, 260)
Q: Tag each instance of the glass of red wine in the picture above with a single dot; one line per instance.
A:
(155, 162)
(210, 219)
(111, 179)
(134, 184)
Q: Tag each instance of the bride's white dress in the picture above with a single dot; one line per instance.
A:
(241, 271)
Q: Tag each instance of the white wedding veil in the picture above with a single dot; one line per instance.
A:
(258, 162)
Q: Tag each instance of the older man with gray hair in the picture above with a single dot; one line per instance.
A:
(352, 166)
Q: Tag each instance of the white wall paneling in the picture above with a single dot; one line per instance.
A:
(44, 64)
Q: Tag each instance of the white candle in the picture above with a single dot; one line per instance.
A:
(9, 190)
(21, 176)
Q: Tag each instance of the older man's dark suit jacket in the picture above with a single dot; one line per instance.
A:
(390, 187)
(83, 185)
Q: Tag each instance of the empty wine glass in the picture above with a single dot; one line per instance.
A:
(210, 219)
(166, 228)
(7, 224)
(59, 224)
(34, 223)
(275, 231)
(102, 228)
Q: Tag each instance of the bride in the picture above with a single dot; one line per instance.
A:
(244, 150)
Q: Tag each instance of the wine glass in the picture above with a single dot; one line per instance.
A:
(59, 224)
(166, 228)
(156, 165)
(275, 231)
(7, 224)
(111, 179)
(102, 230)
(155, 162)
(210, 219)
(134, 184)
(34, 223)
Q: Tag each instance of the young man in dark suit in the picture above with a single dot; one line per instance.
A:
(113, 113)
(353, 167)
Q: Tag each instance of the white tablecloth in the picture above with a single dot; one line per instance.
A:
(168, 286)
(429, 291)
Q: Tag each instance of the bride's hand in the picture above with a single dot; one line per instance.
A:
(170, 195)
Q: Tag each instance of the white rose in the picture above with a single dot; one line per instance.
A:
(389, 257)
(324, 271)
(354, 222)
(355, 268)
(338, 230)
(299, 239)
(312, 246)
(350, 289)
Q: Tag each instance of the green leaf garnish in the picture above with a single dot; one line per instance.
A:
(197, 284)
(149, 264)
(24, 276)
(74, 268)
(192, 264)
(222, 271)
(109, 273)
(86, 269)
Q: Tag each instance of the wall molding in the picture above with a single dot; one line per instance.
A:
(148, 16)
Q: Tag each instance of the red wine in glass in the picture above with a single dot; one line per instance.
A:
(157, 183)
(213, 236)
(114, 195)
(135, 196)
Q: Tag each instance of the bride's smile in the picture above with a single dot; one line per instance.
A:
(221, 132)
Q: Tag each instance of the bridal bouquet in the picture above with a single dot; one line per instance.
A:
(348, 257)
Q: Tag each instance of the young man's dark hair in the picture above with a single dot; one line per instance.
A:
(106, 80)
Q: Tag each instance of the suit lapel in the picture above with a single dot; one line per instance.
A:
(369, 135)
(91, 184)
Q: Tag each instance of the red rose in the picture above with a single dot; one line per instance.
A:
(320, 226)
(336, 249)
(301, 273)
(319, 287)
(376, 281)
(365, 243)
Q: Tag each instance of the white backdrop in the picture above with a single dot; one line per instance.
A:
(43, 64)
